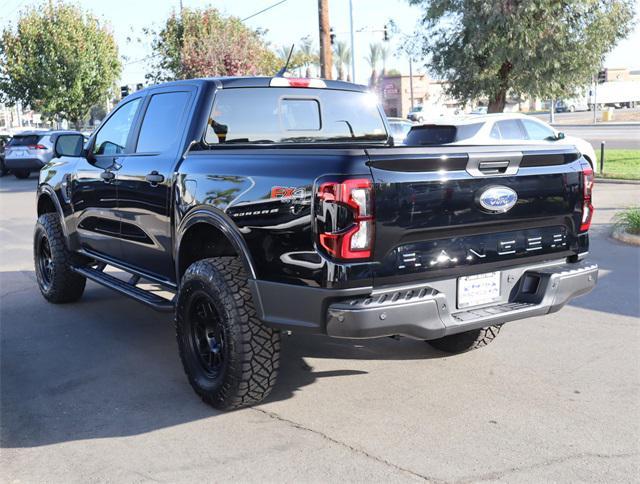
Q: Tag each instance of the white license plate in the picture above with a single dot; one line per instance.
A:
(478, 289)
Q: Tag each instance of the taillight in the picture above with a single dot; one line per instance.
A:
(37, 147)
(587, 206)
(345, 219)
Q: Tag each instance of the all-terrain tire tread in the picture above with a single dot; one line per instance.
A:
(254, 376)
(467, 341)
(67, 285)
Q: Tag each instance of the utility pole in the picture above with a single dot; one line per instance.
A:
(411, 80)
(353, 44)
(325, 40)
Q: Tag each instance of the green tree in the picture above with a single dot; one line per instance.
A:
(59, 60)
(373, 59)
(538, 48)
(342, 59)
(310, 55)
(202, 42)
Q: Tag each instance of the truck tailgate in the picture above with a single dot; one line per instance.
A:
(440, 211)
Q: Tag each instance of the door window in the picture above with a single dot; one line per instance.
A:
(510, 129)
(162, 125)
(112, 137)
(538, 131)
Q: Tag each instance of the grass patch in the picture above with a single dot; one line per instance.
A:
(629, 220)
(623, 164)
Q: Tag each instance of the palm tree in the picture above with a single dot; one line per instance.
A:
(342, 58)
(373, 58)
(384, 56)
(309, 54)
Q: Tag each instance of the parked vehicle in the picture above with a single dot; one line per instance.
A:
(4, 139)
(417, 114)
(30, 150)
(268, 204)
(479, 110)
(491, 129)
(572, 105)
(399, 129)
(616, 94)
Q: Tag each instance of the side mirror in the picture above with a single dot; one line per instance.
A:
(560, 136)
(69, 145)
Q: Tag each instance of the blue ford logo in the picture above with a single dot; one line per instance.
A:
(498, 199)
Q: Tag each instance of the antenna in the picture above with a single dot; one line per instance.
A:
(282, 71)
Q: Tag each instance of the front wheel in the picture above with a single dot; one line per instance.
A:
(467, 341)
(57, 280)
(230, 357)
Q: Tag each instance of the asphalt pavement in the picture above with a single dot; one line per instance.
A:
(94, 391)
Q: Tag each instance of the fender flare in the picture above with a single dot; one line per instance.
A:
(222, 222)
(46, 190)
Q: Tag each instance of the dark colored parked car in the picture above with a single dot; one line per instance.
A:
(269, 204)
(4, 139)
(31, 150)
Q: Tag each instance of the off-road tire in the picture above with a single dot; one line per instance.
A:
(61, 284)
(21, 174)
(467, 341)
(250, 350)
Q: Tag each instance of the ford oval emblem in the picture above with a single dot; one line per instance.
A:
(498, 199)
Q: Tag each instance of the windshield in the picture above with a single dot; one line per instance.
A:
(24, 140)
(290, 115)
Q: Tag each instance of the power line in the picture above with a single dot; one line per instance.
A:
(263, 10)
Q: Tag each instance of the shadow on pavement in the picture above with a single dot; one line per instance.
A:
(106, 366)
(617, 288)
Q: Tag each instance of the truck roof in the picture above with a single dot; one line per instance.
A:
(258, 81)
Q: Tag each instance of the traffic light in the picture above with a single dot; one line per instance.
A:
(602, 76)
(139, 86)
(124, 91)
(332, 36)
(385, 34)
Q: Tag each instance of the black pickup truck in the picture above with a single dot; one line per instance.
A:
(249, 206)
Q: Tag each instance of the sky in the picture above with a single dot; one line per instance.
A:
(286, 23)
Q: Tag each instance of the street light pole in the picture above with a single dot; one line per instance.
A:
(353, 45)
(411, 80)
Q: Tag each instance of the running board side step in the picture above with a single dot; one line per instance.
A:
(145, 297)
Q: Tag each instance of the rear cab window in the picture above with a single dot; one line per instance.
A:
(289, 115)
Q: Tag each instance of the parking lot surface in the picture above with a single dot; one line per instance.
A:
(94, 391)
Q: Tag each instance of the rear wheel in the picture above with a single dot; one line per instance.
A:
(467, 341)
(230, 357)
(21, 174)
(56, 278)
(3, 168)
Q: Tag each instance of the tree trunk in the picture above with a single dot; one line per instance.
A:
(498, 102)
(499, 99)
(308, 72)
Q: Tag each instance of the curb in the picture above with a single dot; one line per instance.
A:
(616, 181)
(603, 124)
(622, 235)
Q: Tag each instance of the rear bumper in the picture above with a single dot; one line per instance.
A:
(23, 164)
(425, 311)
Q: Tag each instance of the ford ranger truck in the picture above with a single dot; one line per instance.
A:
(252, 206)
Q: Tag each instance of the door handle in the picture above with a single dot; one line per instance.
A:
(154, 178)
(107, 176)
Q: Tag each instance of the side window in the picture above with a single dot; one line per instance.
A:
(510, 129)
(537, 131)
(162, 124)
(495, 132)
(112, 137)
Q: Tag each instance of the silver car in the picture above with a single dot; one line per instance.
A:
(30, 150)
